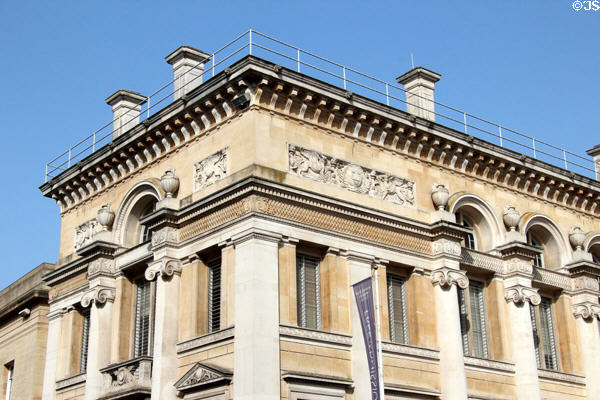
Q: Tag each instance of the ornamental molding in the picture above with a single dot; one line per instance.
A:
(552, 278)
(480, 260)
(208, 339)
(164, 235)
(405, 350)
(85, 232)
(585, 283)
(489, 364)
(202, 374)
(586, 310)
(561, 377)
(210, 169)
(315, 336)
(517, 266)
(446, 277)
(353, 177)
(101, 266)
(447, 247)
(520, 294)
(98, 295)
(70, 381)
(166, 268)
(131, 375)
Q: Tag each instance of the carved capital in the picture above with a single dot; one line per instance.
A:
(520, 294)
(99, 296)
(165, 268)
(586, 310)
(446, 277)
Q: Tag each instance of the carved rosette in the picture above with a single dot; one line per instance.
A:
(105, 217)
(439, 196)
(520, 294)
(586, 310)
(165, 268)
(353, 177)
(577, 238)
(511, 217)
(98, 295)
(210, 170)
(445, 246)
(446, 277)
(169, 182)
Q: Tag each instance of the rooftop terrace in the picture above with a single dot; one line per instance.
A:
(394, 95)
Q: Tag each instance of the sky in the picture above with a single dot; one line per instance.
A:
(531, 66)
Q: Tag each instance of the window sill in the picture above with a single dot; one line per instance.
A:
(199, 342)
(561, 377)
(311, 336)
(418, 353)
(69, 382)
(488, 365)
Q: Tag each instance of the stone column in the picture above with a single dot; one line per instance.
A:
(54, 333)
(359, 266)
(586, 314)
(100, 298)
(164, 354)
(452, 370)
(256, 359)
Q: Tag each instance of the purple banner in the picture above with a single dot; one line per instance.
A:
(363, 291)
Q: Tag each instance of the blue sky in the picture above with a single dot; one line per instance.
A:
(532, 66)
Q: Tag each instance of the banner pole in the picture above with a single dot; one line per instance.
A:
(378, 319)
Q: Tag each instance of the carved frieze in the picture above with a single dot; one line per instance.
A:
(355, 178)
(518, 267)
(210, 170)
(585, 283)
(203, 374)
(98, 295)
(446, 277)
(586, 310)
(85, 232)
(129, 376)
(520, 294)
(101, 266)
(165, 268)
(166, 234)
(445, 246)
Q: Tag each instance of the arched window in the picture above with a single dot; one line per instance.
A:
(145, 233)
(470, 240)
(538, 261)
(542, 232)
(138, 203)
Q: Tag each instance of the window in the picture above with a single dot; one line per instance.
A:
(145, 233)
(538, 261)
(308, 292)
(214, 295)
(397, 309)
(472, 320)
(543, 334)
(85, 336)
(10, 368)
(469, 241)
(143, 318)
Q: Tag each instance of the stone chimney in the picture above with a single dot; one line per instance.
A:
(126, 106)
(188, 66)
(419, 84)
(595, 152)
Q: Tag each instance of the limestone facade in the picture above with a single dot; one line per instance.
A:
(229, 275)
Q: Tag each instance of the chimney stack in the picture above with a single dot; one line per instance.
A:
(419, 84)
(595, 152)
(188, 66)
(126, 106)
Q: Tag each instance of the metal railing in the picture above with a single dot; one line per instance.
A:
(264, 46)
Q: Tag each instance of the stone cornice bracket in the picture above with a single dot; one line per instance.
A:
(446, 277)
(259, 234)
(356, 256)
(166, 268)
(586, 310)
(98, 295)
(521, 294)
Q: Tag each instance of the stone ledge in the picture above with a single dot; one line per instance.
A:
(70, 381)
(561, 377)
(319, 338)
(203, 340)
(491, 366)
(407, 350)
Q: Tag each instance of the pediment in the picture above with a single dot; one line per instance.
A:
(201, 375)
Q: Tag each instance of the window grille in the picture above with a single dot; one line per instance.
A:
(473, 321)
(308, 292)
(85, 336)
(214, 295)
(143, 318)
(397, 309)
(536, 338)
(543, 335)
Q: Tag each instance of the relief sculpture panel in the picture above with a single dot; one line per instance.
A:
(353, 177)
(210, 170)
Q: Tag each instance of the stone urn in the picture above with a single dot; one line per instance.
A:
(577, 237)
(511, 217)
(169, 182)
(105, 217)
(439, 196)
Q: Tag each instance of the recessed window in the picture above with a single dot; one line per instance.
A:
(10, 369)
(145, 233)
(308, 291)
(214, 295)
(85, 336)
(397, 309)
(538, 260)
(144, 318)
(469, 240)
(543, 334)
(472, 320)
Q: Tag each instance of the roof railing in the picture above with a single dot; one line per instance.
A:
(255, 43)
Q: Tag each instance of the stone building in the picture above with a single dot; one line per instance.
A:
(229, 275)
(23, 331)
